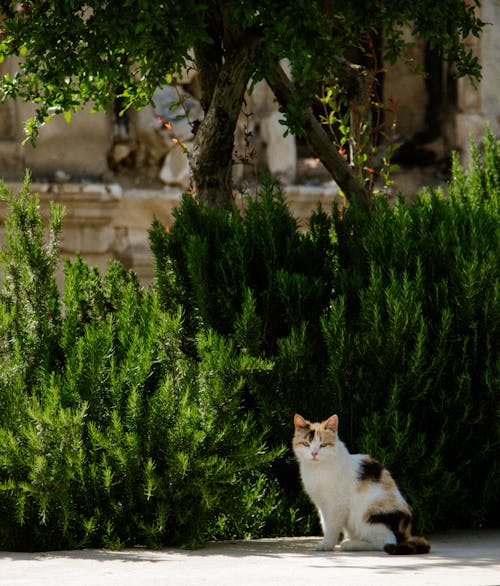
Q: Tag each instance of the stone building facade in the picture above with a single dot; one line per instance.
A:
(115, 174)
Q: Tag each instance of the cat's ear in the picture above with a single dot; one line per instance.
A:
(332, 423)
(300, 422)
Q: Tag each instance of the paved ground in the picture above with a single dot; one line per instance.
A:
(459, 559)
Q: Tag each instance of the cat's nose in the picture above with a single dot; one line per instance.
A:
(314, 455)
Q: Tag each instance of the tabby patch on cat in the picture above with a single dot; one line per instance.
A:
(354, 494)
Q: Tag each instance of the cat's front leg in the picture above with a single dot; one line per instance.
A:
(326, 545)
(332, 526)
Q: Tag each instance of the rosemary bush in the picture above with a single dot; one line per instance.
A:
(158, 416)
(413, 342)
(109, 433)
(391, 320)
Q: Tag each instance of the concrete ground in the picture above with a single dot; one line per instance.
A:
(468, 558)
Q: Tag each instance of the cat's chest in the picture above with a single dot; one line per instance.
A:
(326, 481)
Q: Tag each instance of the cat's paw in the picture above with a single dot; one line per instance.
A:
(325, 546)
(359, 545)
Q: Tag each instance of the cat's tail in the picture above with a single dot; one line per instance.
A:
(409, 546)
(399, 522)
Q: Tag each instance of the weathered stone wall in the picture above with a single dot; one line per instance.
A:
(407, 90)
(89, 221)
(476, 107)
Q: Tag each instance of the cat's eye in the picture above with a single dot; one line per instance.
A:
(324, 445)
(306, 444)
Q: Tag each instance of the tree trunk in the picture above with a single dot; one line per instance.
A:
(319, 141)
(211, 157)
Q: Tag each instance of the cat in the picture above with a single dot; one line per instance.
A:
(353, 493)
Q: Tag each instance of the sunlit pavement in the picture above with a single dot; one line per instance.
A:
(457, 558)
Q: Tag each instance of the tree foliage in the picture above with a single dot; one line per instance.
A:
(91, 51)
(75, 51)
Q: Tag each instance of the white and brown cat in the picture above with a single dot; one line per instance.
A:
(354, 494)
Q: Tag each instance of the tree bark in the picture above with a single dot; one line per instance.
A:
(319, 141)
(211, 157)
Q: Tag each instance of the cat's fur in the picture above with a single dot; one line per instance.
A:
(354, 494)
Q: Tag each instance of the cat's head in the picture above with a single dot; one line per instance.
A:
(315, 442)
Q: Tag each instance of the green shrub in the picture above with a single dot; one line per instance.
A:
(216, 262)
(413, 342)
(158, 416)
(109, 434)
(391, 320)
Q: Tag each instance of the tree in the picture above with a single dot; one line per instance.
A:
(77, 51)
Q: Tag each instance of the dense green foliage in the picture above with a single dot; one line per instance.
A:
(159, 416)
(109, 434)
(391, 321)
(87, 50)
(413, 344)
(75, 52)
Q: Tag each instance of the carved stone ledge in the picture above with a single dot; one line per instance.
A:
(88, 225)
(90, 209)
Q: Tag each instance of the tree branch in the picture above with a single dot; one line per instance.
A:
(211, 157)
(318, 139)
(208, 56)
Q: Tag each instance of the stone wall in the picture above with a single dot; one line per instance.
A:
(89, 225)
(115, 174)
(481, 106)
